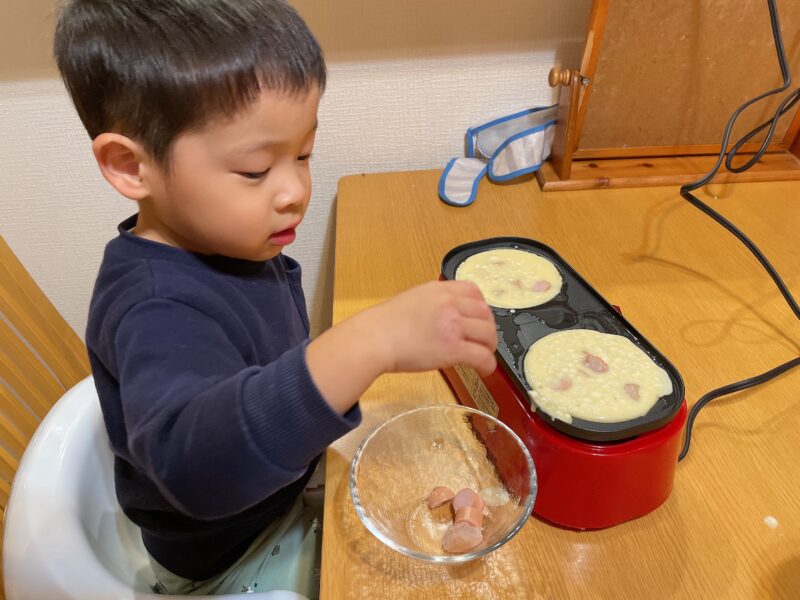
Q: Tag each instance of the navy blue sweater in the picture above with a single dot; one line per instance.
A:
(212, 414)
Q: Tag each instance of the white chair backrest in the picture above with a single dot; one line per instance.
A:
(66, 536)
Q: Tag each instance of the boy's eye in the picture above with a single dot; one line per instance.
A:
(253, 175)
(304, 156)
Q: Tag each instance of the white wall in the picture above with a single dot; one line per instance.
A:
(406, 79)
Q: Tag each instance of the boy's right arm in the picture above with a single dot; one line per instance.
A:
(215, 433)
(199, 420)
(434, 325)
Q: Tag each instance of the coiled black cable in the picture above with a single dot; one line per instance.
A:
(686, 193)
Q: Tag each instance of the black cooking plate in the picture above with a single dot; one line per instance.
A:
(577, 306)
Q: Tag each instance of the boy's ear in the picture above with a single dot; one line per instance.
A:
(120, 160)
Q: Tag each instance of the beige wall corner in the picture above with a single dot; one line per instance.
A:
(26, 39)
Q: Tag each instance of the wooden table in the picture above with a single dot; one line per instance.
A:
(697, 295)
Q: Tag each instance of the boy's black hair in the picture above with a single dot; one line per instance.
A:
(152, 69)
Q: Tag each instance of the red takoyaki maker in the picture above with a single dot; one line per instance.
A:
(590, 475)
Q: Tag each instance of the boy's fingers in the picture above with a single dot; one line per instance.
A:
(474, 308)
(465, 288)
(481, 331)
(478, 357)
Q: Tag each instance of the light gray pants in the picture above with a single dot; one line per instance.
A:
(285, 556)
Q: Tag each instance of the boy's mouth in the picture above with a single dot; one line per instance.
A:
(283, 238)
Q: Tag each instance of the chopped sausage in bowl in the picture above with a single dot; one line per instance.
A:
(443, 483)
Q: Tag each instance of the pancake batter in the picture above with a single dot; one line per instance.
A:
(593, 376)
(510, 278)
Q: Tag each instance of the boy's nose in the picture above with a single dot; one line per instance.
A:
(294, 191)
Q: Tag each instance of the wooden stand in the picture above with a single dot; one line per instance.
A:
(662, 89)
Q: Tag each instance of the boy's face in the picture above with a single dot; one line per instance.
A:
(238, 187)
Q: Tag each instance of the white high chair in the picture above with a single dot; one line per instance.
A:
(65, 535)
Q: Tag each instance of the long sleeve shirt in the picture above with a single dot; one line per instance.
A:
(212, 414)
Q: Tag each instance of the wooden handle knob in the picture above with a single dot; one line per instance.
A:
(559, 77)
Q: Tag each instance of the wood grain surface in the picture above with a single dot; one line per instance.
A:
(697, 295)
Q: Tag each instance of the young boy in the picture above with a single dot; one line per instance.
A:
(217, 406)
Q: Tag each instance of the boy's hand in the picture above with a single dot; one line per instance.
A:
(436, 325)
(432, 326)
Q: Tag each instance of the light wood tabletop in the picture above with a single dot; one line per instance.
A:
(696, 293)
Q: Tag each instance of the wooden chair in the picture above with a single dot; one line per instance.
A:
(40, 358)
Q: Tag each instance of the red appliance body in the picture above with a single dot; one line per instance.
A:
(581, 484)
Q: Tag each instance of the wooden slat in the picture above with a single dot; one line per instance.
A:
(21, 368)
(564, 141)
(22, 417)
(591, 55)
(56, 343)
(5, 490)
(3, 503)
(792, 136)
(8, 459)
(662, 171)
(11, 435)
(648, 151)
(795, 147)
(35, 317)
(7, 473)
(40, 358)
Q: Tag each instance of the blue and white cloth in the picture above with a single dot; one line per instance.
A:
(503, 148)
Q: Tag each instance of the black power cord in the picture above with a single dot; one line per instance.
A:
(686, 193)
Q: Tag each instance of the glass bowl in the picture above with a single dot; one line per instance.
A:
(396, 467)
